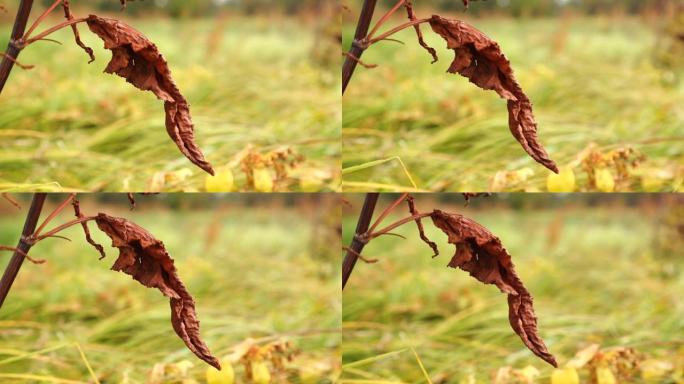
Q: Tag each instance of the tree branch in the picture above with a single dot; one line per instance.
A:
(18, 258)
(355, 52)
(17, 32)
(356, 246)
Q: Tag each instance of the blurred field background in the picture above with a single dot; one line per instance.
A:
(606, 79)
(259, 268)
(261, 78)
(603, 269)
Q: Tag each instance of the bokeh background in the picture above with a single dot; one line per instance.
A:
(604, 270)
(605, 77)
(262, 79)
(262, 270)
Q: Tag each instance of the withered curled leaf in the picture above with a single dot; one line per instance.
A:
(137, 59)
(144, 257)
(481, 60)
(481, 253)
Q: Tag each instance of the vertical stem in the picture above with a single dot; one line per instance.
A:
(17, 32)
(355, 51)
(356, 246)
(18, 259)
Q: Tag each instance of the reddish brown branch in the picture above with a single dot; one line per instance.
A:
(86, 230)
(421, 40)
(356, 50)
(74, 28)
(23, 247)
(421, 230)
(13, 50)
(354, 250)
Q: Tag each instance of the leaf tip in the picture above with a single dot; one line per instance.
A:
(551, 165)
(552, 361)
(214, 363)
(210, 170)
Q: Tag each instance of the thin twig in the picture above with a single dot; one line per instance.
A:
(414, 211)
(393, 234)
(74, 28)
(412, 16)
(356, 245)
(362, 258)
(11, 200)
(29, 258)
(54, 214)
(395, 225)
(54, 29)
(41, 18)
(25, 67)
(62, 227)
(359, 61)
(388, 210)
(385, 17)
(18, 259)
(84, 225)
(396, 29)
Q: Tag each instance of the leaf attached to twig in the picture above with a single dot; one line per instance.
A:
(481, 60)
(481, 253)
(138, 60)
(145, 258)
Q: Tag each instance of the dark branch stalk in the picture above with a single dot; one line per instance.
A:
(23, 247)
(356, 50)
(12, 49)
(356, 246)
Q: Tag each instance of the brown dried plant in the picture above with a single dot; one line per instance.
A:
(138, 60)
(478, 252)
(481, 253)
(144, 258)
(477, 57)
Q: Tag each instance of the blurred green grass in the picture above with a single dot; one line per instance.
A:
(250, 82)
(259, 277)
(592, 81)
(593, 265)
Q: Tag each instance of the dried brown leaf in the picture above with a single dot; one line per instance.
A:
(481, 60)
(145, 258)
(138, 60)
(481, 253)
